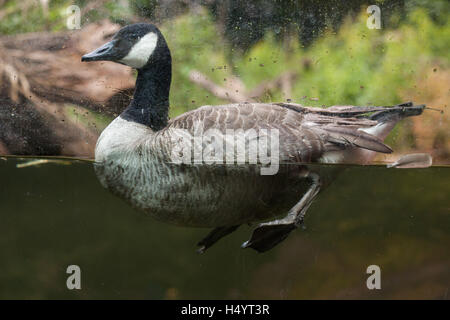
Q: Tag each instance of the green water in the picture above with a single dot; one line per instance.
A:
(53, 216)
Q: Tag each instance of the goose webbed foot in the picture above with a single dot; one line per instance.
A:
(269, 234)
(214, 236)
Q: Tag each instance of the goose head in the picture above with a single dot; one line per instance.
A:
(138, 45)
(142, 47)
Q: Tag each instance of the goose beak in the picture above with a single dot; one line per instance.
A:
(106, 52)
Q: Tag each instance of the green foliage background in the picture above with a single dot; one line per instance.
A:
(355, 66)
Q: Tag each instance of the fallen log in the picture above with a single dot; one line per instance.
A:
(43, 71)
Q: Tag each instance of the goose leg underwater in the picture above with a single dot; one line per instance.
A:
(138, 154)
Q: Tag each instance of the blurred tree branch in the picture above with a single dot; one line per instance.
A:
(235, 90)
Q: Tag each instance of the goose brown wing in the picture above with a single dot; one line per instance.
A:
(305, 134)
(237, 116)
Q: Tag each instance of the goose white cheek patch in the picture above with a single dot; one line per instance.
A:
(141, 51)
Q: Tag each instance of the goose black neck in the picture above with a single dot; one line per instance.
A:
(150, 104)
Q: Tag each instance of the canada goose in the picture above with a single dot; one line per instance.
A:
(135, 156)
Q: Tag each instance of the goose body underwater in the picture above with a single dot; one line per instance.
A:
(138, 154)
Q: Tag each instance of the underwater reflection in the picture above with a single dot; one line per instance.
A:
(219, 196)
